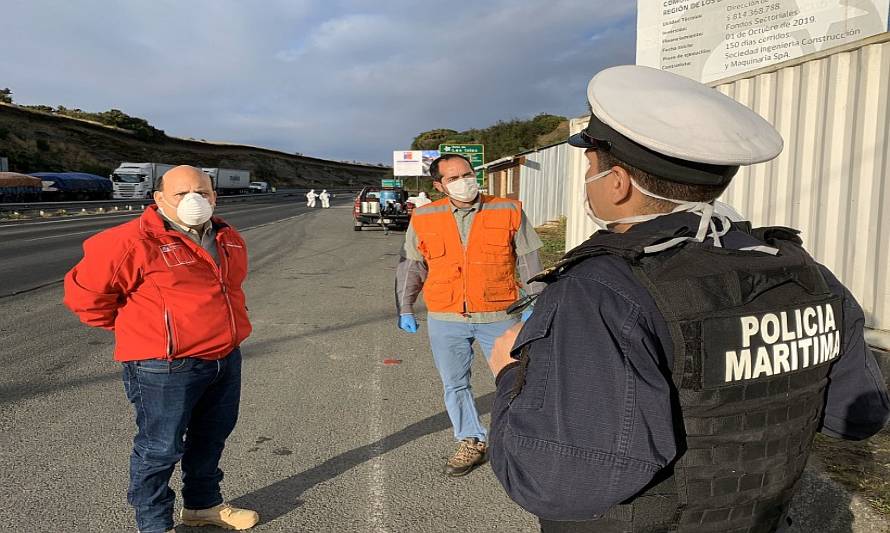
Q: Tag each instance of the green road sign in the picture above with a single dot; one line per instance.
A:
(474, 152)
(392, 183)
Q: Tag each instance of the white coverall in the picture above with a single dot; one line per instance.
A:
(420, 200)
(310, 197)
(325, 199)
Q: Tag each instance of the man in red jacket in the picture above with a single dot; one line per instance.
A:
(169, 285)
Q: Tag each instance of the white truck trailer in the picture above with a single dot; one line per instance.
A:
(227, 181)
(136, 180)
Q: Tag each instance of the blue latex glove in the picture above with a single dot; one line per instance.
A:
(527, 313)
(408, 323)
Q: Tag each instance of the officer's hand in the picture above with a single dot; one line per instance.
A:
(527, 313)
(500, 352)
(408, 323)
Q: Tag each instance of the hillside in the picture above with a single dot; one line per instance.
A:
(36, 141)
(502, 139)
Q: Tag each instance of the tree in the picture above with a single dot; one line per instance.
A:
(6, 95)
(502, 139)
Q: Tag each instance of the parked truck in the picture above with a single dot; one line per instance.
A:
(78, 186)
(228, 181)
(136, 180)
(15, 187)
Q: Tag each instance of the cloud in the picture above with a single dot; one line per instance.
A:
(337, 79)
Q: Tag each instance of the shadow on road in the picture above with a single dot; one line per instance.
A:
(282, 497)
(260, 348)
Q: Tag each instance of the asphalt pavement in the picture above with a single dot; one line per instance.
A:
(330, 438)
(34, 253)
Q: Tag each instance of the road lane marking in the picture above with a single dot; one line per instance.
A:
(99, 218)
(242, 230)
(77, 218)
(96, 230)
(63, 235)
(377, 518)
(57, 281)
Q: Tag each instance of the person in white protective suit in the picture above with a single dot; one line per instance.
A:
(420, 200)
(325, 198)
(310, 198)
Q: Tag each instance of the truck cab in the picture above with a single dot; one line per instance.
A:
(382, 206)
(136, 180)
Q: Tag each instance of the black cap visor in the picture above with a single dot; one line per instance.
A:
(603, 137)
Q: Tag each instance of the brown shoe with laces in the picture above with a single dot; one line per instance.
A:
(470, 454)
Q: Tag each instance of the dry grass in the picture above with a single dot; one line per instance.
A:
(554, 238)
(862, 467)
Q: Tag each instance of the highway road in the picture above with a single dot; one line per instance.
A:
(35, 253)
(330, 439)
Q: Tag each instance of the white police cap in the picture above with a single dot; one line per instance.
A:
(673, 127)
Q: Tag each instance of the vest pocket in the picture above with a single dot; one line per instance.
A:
(497, 242)
(500, 291)
(432, 247)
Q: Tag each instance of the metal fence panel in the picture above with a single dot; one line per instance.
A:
(542, 184)
(831, 180)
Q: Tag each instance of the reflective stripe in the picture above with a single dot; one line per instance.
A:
(430, 209)
(499, 205)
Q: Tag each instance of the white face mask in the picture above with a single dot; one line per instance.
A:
(705, 210)
(463, 190)
(600, 223)
(194, 209)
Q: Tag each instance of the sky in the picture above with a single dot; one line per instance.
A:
(338, 79)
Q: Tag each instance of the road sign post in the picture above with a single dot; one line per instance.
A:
(474, 152)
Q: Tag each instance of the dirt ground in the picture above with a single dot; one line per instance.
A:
(862, 467)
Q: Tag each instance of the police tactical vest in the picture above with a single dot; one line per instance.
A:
(753, 337)
(472, 277)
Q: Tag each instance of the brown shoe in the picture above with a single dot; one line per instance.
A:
(470, 454)
(223, 515)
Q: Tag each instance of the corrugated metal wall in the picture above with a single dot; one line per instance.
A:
(832, 180)
(578, 226)
(542, 184)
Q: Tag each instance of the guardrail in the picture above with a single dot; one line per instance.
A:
(46, 209)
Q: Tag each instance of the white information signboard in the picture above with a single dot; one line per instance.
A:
(708, 40)
(407, 163)
(412, 162)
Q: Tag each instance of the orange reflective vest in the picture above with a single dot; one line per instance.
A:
(479, 277)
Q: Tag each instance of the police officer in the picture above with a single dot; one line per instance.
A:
(677, 367)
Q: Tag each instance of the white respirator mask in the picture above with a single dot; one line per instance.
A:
(194, 209)
(705, 210)
(463, 190)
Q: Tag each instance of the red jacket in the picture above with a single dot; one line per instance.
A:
(162, 294)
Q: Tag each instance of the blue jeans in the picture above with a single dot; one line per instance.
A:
(185, 410)
(452, 346)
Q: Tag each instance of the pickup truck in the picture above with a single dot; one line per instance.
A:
(384, 207)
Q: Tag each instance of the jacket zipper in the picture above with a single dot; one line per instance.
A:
(223, 273)
(466, 272)
(220, 276)
(171, 346)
